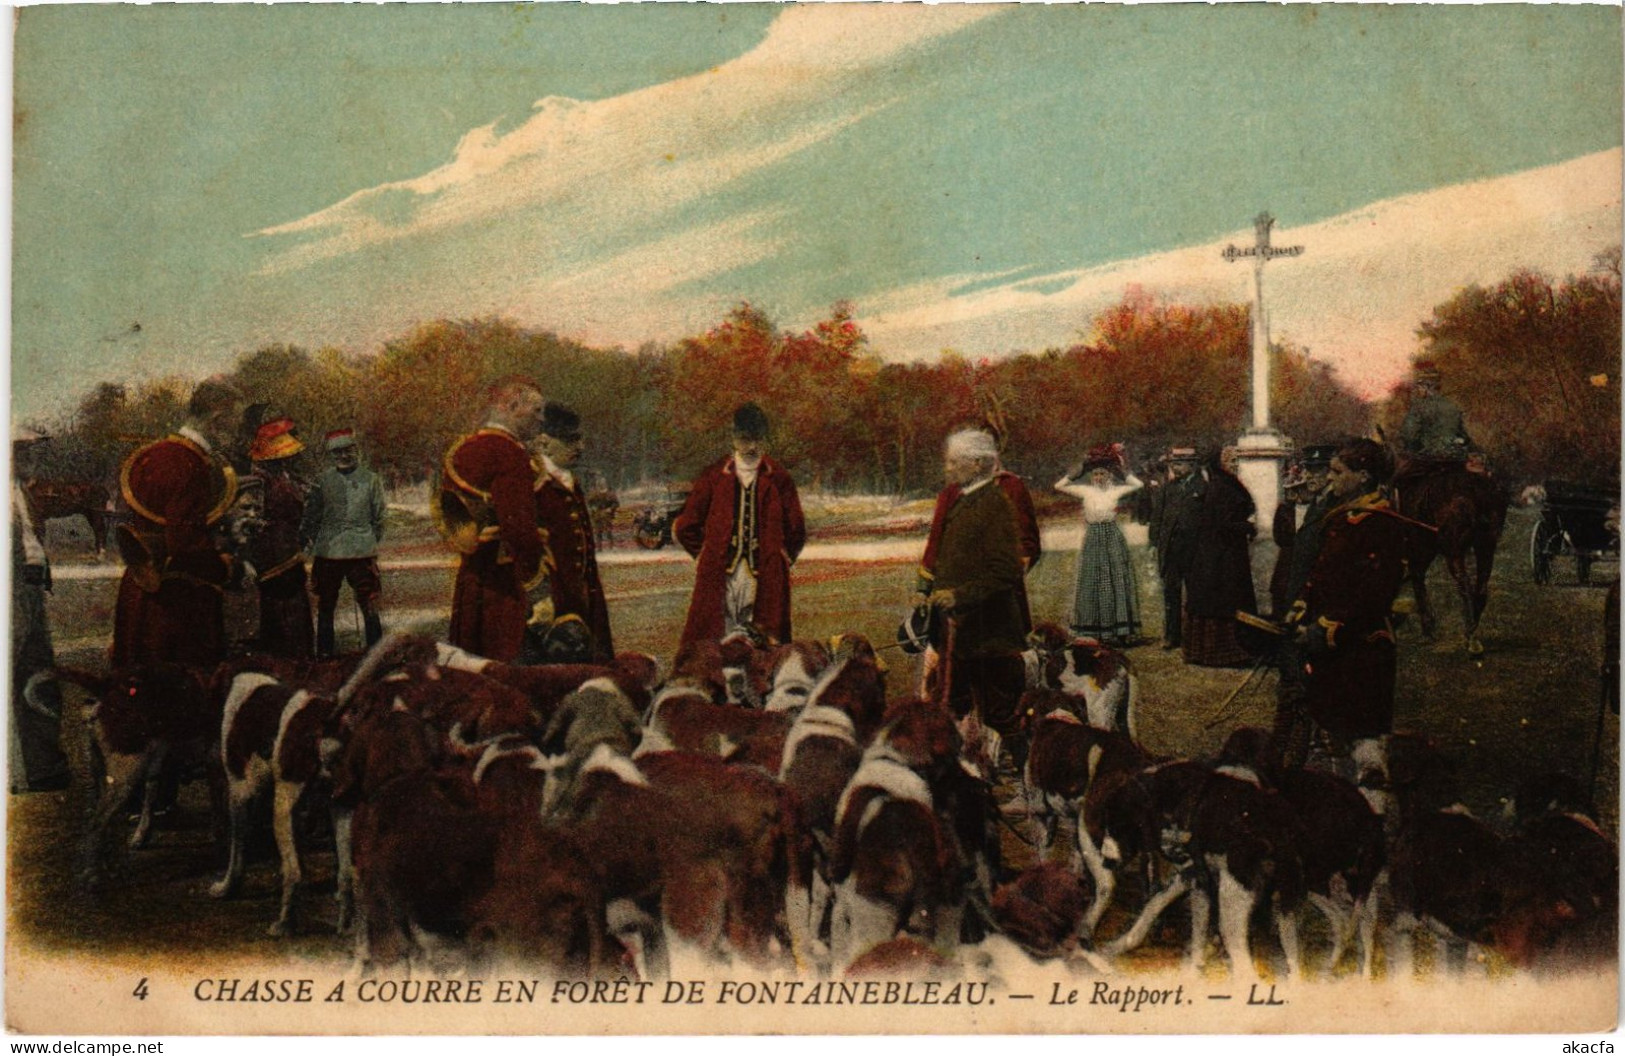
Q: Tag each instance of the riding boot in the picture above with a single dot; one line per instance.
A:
(374, 626)
(324, 635)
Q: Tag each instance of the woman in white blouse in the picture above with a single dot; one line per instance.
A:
(1107, 606)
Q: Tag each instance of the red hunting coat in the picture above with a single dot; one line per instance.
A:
(1346, 601)
(488, 605)
(563, 515)
(1028, 542)
(706, 530)
(174, 489)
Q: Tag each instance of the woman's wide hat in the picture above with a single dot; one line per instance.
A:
(274, 440)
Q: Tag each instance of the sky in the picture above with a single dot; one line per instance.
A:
(194, 181)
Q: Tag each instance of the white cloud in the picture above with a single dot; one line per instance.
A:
(1355, 297)
(627, 163)
(635, 295)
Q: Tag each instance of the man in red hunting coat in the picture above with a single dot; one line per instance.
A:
(561, 511)
(743, 524)
(170, 599)
(1341, 616)
(1028, 542)
(490, 473)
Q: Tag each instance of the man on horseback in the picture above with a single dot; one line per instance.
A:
(1435, 486)
(1434, 435)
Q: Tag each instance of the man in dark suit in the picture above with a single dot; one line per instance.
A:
(1297, 524)
(562, 513)
(976, 586)
(743, 525)
(1176, 508)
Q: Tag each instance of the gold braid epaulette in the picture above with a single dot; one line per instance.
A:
(228, 491)
(457, 444)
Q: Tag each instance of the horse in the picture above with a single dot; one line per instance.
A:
(1468, 511)
(50, 500)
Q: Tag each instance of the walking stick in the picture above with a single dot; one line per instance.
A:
(1224, 707)
(1257, 623)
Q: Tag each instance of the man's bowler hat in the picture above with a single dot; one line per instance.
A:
(560, 422)
(750, 422)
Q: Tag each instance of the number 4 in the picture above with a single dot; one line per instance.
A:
(140, 992)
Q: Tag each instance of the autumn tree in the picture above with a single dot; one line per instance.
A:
(1535, 366)
(1309, 403)
(815, 387)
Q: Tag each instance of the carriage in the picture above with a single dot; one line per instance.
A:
(1573, 523)
(651, 526)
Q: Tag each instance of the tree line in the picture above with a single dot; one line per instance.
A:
(1535, 364)
(1147, 372)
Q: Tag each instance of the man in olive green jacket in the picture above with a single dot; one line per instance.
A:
(976, 586)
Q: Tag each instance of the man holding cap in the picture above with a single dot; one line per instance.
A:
(561, 512)
(743, 524)
(342, 527)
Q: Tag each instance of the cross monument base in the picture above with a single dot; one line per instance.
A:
(1260, 456)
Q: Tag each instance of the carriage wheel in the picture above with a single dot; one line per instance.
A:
(649, 536)
(1544, 542)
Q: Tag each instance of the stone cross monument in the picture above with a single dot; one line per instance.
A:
(1261, 450)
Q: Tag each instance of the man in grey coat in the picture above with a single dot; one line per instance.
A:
(342, 527)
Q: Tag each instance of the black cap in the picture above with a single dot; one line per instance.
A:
(750, 423)
(560, 422)
(1317, 456)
